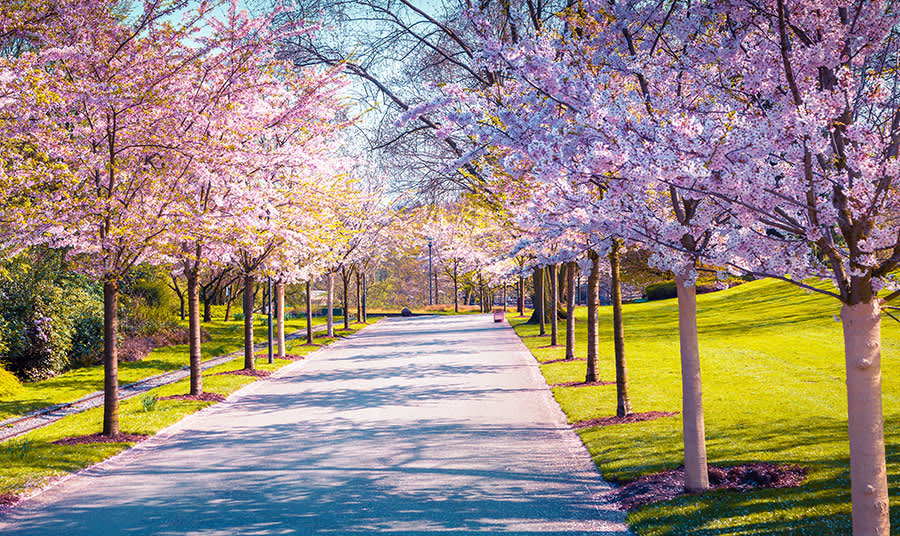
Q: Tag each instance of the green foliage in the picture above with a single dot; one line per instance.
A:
(9, 384)
(148, 403)
(146, 303)
(661, 291)
(773, 388)
(45, 308)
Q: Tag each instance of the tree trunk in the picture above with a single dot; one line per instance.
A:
(570, 310)
(868, 477)
(696, 476)
(455, 290)
(110, 358)
(537, 316)
(520, 296)
(593, 305)
(358, 298)
(249, 362)
(345, 279)
(279, 309)
(623, 402)
(193, 291)
(554, 304)
(174, 286)
(207, 310)
(228, 305)
(365, 314)
(330, 304)
(309, 326)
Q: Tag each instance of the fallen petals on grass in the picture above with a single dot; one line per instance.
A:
(667, 485)
(205, 397)
(245, 372)
(100, 438)
(634, 417)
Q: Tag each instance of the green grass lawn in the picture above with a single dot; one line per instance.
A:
(773, 385)
(225, 337)
(29, 461)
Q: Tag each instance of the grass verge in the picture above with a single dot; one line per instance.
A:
(30, 461)
(773, 383)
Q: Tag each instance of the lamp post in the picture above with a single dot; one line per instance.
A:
(429, 273)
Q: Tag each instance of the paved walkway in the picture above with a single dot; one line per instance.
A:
(413, 426)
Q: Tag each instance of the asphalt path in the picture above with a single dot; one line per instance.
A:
(413, 426)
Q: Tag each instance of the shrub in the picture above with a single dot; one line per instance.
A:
(9, 384)
(146, 303)
(661, 291)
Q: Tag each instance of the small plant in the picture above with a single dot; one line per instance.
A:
(148, 402)
(17, 449)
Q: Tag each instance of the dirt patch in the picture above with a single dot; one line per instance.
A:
(100, 438)
(244, 372)
(8, 500)
(667, 485)
(287, 357)
(634, 417)
(582, 384)
(205, 397)
(561, 361)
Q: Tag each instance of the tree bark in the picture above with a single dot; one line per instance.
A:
(593, 327)
(249, 361)
(537, 317)
(193, 292)
(330, 304)
(207, 310)
(345, 279)
(623, 401)
(279, 310)
(309, 330)
(520, 298)
(358, 298)
(868, 477)
(696, 476)
(110, 358)
(455, 289)
(365, 313)
(570, 310)
(554, 304)
(174, 286)
(228, 301)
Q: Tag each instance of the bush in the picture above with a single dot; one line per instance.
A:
(9, 384)
(661, 291)
(146, 303)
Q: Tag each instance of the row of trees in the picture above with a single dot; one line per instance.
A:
(759, 137)
(173, 136)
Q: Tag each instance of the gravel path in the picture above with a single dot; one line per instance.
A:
(413, 426)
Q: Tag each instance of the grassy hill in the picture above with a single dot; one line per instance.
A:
(773, 382)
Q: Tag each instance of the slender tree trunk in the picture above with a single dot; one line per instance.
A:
(554, 304)
(537, 316)
(455, 289)
(279, 310)
(593, 331)
(358, 297)
(309, 318)
(437, 301)
(504, 297)
(228, 301)
(193, 291)
(345, 279)
(570, 310)
(207, 310)
(249, 361)
(365, 314)
(110, 358)
(696, 476)
(174, 286)
(868, 477)
(623, 402)
(330, 304)
(520, 296)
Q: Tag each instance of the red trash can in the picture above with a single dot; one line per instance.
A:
(499, 315)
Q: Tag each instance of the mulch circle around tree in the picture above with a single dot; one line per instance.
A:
(206, 397)
(287, 357)
(582, 384)
(8, 500)
(667, 485)
(634, 417)
(244, 372)
(100, 438)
